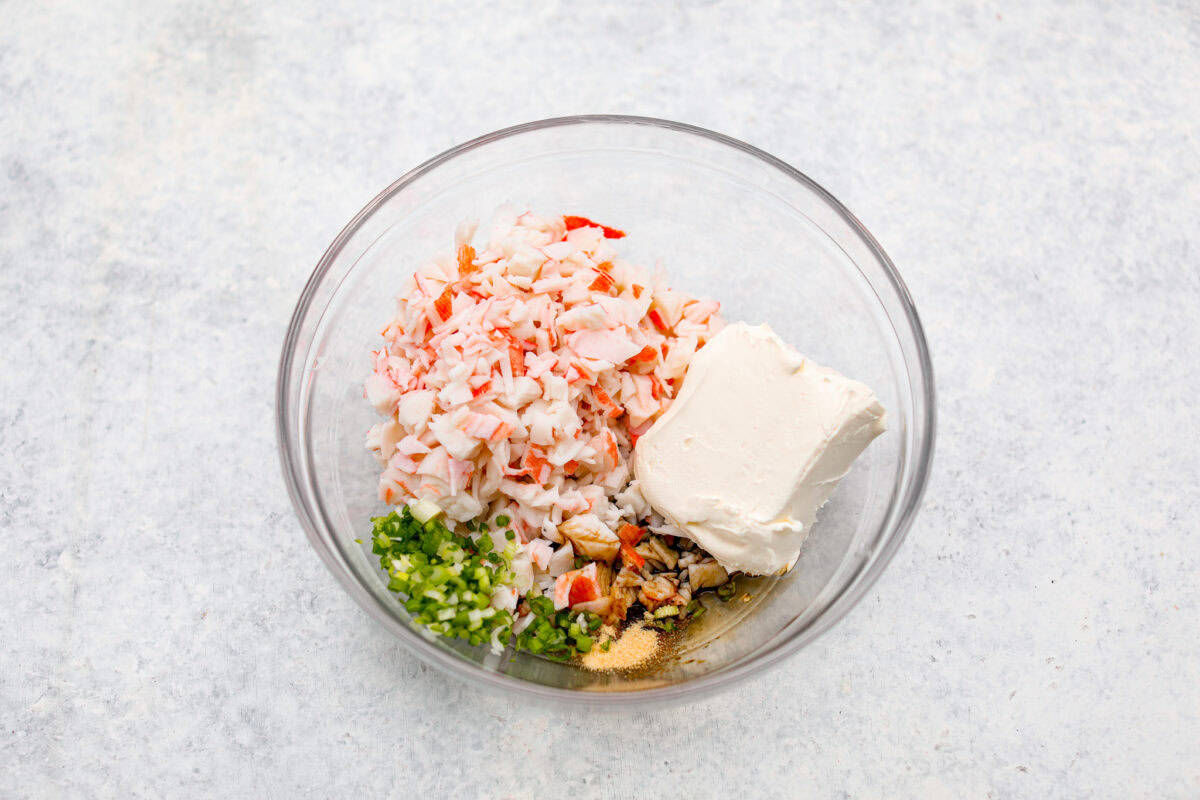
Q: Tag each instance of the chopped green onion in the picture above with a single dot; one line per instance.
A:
(446, 577)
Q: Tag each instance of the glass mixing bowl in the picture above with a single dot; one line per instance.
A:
(724, 220)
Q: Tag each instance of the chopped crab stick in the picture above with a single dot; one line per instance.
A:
(517, 374)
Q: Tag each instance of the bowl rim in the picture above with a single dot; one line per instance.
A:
(838, 606)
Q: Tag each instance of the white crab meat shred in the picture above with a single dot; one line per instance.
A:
(515, 379)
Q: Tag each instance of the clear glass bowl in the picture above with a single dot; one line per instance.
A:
(724, 220)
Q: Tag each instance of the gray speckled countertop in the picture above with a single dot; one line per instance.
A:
(169, 174)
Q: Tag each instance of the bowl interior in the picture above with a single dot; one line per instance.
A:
(720, 222)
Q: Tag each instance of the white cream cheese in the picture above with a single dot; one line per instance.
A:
(752, 446)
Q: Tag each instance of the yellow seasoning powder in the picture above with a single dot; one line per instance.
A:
(636, 645)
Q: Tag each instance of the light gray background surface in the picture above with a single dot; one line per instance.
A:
(169, 174)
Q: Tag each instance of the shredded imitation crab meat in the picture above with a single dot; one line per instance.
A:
(515, 380)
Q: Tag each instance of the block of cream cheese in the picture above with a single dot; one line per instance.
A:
(752, 446)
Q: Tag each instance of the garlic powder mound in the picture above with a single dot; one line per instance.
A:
(636, 645)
